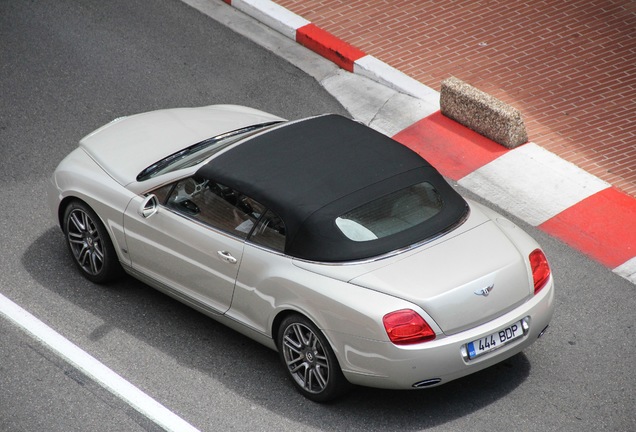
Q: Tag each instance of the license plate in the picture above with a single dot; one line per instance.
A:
(494, 341)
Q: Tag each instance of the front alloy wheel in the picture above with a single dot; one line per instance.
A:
(89, 243)
(309, 360)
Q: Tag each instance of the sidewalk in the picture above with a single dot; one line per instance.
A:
(569, 67)
(526, 58)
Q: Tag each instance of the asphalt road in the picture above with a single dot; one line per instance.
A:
(66, 68)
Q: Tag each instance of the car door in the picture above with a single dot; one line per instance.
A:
(193, 242)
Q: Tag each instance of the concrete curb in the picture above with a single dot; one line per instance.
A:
(529, 182)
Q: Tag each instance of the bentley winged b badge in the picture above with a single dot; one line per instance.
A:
(485, 291)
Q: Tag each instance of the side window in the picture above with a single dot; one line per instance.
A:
(162, 193)
(215, 205)
(270, 232)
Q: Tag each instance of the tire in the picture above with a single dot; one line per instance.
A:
(89, 243)
(309, 360)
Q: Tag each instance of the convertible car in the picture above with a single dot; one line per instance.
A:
(320, 238)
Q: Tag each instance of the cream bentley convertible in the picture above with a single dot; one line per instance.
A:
(321, 238)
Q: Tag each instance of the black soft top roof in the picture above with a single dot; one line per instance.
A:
(311, 171)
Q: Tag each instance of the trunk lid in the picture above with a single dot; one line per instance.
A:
(462, 282)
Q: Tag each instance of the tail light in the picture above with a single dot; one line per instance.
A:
(540, 269)
(406, 327)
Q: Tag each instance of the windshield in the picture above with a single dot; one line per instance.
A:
(197, 153)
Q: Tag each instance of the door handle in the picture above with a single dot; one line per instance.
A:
(227, 257)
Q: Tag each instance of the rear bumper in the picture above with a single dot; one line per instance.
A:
(385, 365)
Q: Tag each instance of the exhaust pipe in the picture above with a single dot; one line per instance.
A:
(427, 383)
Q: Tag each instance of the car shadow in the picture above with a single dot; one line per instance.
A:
(198, 342)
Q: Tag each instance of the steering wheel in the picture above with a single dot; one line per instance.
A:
(192, 187)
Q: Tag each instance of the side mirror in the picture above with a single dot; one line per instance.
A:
(148, 206)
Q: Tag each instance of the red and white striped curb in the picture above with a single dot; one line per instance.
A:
(529, 182)
(324, 43)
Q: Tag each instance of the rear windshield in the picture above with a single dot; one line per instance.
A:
(392, 213)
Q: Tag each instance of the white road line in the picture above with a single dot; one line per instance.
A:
(90, 366)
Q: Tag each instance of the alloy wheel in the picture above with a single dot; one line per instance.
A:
(85, 242)
(305, 358)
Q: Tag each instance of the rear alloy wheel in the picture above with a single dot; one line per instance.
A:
(309, 360)
(89, 243)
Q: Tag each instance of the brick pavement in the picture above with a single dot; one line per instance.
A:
(569, 67)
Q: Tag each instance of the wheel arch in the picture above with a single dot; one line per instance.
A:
(61, 209)
(280, 317)
(68, 200)
(99, 249)
(114, 228)
(335, 383)
(284, 313)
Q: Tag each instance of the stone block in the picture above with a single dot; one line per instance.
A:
(482, 113)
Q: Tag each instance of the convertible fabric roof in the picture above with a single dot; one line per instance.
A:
(311, 171)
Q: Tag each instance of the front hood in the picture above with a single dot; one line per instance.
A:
(445, 280)
(126, 146)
